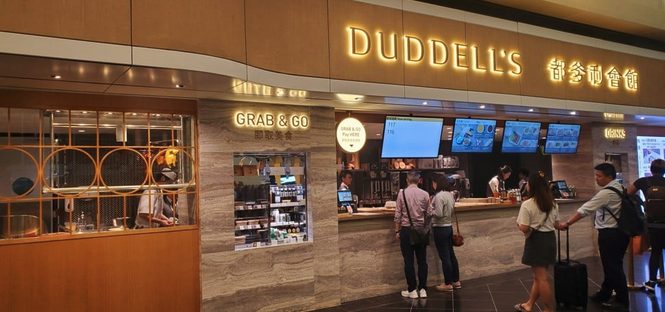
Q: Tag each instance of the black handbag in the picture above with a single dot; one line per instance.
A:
(418, 235)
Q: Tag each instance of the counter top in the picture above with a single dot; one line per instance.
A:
(459, 206)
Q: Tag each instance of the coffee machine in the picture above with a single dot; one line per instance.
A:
(459, 184)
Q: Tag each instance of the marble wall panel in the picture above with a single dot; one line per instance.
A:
(282, 278)
(371, 261)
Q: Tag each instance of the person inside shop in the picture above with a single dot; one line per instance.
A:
(346, 178)
(153, 197)
(442, 227)
(498, 182)
(420, 213)
(537, 219)
(523, 175)
(656, 234)
(170, 200)
(612, 243)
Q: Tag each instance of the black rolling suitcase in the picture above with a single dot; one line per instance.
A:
(570, 280)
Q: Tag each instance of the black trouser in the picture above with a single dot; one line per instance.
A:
(443, 238)
(407, 253)
(612, 245)
(657, 239)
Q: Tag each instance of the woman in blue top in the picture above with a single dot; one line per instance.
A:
(442, 226)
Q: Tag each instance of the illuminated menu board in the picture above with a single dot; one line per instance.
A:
(411, 137)
(520, 137)
(562, 139)
(473, 136)
(649, 148)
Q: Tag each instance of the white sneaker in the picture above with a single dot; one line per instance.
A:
(410, 294)
(422, 293)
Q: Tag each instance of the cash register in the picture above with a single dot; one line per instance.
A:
(344, 201)
(559, 189)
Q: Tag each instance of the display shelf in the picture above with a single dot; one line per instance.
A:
(288, 204)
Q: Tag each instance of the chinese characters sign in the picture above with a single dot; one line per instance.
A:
(351, 135)
(596, 75)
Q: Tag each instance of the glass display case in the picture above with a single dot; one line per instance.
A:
(270, 199)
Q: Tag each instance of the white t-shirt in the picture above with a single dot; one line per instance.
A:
(532, 216)
(154, 197)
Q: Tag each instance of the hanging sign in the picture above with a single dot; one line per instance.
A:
(351, 135)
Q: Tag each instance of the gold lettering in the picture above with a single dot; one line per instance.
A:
(393, 46)
(460, 55)
(354, 35)
(408, 49)
(240, 119)
(493, 61)
(295, 121)
(476, 59)
(518, 66)
(250, 120)
(259, 120)
(444, 52)
(270, 120)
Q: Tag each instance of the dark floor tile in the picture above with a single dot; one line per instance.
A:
(501, 292)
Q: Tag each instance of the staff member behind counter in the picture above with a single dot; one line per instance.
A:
(346, 178)
(498, 182)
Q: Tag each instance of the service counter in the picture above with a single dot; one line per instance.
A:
(371, 262)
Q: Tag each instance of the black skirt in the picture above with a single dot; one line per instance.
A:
(540, 249)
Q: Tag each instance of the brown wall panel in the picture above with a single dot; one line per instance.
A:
(440, 33)
(651, 85)
(97, 20)
(537, 53)
(210, 27)
(57, 100)
(288, 36)
(112, 273)
(482, 75)
(371, 67)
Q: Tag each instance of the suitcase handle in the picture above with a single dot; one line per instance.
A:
(567, 245)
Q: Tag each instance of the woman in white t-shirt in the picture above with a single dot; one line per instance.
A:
(537, 219)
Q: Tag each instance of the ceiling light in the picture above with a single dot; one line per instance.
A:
(109, 113)
(85, 112)
(81, 130)
(573, 113)
(158, 115)
(56, 76)
(280, 92)
(531, 109)
(642, 117)
(133, 114)
(482, 106)
(179, 86)
(425, 103)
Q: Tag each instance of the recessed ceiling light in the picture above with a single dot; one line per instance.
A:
(85, 112)
(109, 113)
(179, 86)
(531, 109)
(425, 103)
(57, 111)
(133, 114)
(158, 115)
(573, 113)
(642, 117)
(56, 76)
(482, 106)
(280, 92)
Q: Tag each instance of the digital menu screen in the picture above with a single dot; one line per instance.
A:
(562, 139)
(473, 135)
(520, 137)
(649, 148)
(411, 137)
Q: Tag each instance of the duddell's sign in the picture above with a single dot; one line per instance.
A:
(457, 54)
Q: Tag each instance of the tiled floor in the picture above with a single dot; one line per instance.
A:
(501, 292)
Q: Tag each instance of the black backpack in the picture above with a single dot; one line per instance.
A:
(631, 220)
(655, 204)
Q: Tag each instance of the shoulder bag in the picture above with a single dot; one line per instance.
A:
(458, 239)
(530, 230)
(418, 235)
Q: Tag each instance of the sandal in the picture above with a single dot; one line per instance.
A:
(520, 308)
